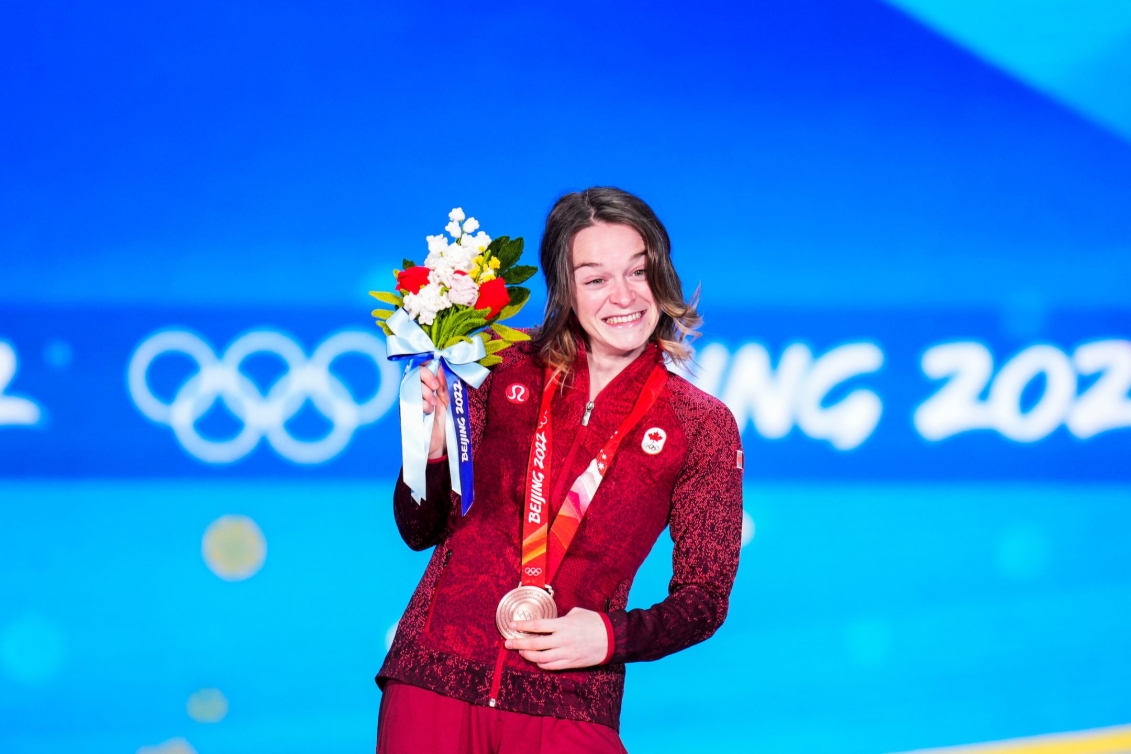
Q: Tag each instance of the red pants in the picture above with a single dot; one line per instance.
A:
(413, 720)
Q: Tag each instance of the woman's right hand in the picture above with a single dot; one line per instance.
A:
(435, 392)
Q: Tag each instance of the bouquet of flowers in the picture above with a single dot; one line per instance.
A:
(446, 316)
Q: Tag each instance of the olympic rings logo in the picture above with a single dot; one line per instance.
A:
(532, 571)
(262, 415)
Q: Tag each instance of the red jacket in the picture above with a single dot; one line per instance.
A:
(447, 640)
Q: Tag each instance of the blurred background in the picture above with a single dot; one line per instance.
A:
(911, 222)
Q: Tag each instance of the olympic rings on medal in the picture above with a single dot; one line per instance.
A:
(532, 570)
(263, 415)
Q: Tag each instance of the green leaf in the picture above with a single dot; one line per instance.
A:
(453, 340)
(446, 325)
(519, 274)
(511, 310)
(491, 360)
(519, 297)
(496, 345)
(473, 324)
(391, 299)
(381, 313)
(509, 253)
(406, 263)
(384, 328)
(458, 322)
(497, 244)
(509, 334)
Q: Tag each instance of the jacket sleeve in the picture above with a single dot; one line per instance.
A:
(424, 524)
(706, 529)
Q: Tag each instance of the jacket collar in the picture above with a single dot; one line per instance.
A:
(619, 396)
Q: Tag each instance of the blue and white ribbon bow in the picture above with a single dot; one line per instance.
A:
(409, 342)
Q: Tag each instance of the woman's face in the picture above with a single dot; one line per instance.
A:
(611, 296)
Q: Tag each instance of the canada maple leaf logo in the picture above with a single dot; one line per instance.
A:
(654, 436)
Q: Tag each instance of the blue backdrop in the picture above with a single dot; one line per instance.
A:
(911, 224)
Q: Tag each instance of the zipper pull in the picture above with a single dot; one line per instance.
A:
(588, 410)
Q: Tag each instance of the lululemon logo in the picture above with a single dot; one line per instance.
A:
(516, 393)
(653, 441)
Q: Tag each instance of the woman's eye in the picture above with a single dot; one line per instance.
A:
(640, 273)
(594, 280)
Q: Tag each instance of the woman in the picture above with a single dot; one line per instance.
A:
(584, 413)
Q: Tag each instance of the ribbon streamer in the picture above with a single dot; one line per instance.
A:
(410, 343)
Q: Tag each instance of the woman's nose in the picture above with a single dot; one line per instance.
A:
(622, 293)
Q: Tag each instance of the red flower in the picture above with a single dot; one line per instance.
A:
(493, 296)
(412, 279)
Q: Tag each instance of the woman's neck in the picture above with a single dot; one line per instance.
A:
(605, 366)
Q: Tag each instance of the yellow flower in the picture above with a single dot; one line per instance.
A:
(478, 261)
(474, 272)
(495, 263)
(488, 275)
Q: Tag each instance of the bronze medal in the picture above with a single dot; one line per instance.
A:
(523, 603)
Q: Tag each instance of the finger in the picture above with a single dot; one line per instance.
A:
(559, 665)
(540, 626)
(429, 382)
(544, 641)
(546, 656)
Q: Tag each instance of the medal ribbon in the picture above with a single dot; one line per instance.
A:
(537, 567)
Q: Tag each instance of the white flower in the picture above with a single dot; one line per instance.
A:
(411, 303)
(424, 305)
(482, 241)
(460, 256)
(445, 258)
(442, 273)
(437, 244)
(463, 290)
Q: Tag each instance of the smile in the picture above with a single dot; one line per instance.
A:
(623, 319)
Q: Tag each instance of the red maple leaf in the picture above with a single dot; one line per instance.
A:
(654, 436)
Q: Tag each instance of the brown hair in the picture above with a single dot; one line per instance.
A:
(556, 341)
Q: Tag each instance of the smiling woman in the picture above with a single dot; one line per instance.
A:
(606, 256)
(479, 664)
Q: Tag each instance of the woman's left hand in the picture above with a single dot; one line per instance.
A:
(577, 640)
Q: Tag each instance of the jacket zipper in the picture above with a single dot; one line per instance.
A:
(497, 676)
(559, 490)
(436, 590)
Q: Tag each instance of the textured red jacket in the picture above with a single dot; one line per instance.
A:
(447, 641)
